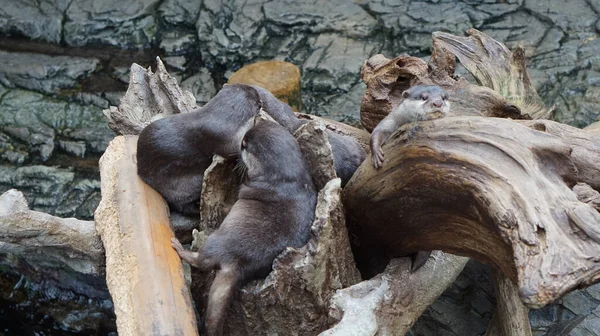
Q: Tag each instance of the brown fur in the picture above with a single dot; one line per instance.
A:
(173, 152)
(274, 210)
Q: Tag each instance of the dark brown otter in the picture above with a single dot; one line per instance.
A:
(274, 210)
(173, 152)
(347, 152)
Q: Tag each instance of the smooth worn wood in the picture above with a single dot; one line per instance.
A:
(391, 302)
(144, 274)
(35, 236)
(495, 67)
(512, 315)
(497, 190)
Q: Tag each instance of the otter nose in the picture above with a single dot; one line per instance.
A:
(438, 103)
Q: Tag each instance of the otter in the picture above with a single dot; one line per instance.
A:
(173, 152)
(421, 102)
(347, 152)
(275, 209)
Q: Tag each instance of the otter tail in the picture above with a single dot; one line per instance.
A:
(221, 294)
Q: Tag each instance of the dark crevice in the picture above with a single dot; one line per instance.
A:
(103, 79)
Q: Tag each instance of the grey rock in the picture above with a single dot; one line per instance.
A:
(580, 303)
(43, 73)
(180, 12)
(177, 42)
(80, 192)
(35, 123)
(335, 63)
(121, 73)
(231, 31)
(515, 28)
(125, 24)
(465, 308)
(343, 17)
(52, 190)
(575, 17)
(176, 62)
(38, 20)
(343, 107)
(42, 186)
(201, 85)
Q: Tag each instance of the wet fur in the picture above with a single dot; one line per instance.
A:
(274, 210)
(173, 152)
(418, 105)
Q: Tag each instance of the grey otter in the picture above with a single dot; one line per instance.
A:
(347, 152)
(173, 152)
(274, 210)
(421, 102)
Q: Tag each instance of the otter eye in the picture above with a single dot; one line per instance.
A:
(445, 97)
(423, 97)
(244, 144)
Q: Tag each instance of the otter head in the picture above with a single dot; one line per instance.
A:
(271, 153)
(430, 100)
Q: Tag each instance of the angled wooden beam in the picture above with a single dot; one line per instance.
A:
(144, 274)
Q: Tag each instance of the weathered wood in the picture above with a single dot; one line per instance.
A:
(506, 90)
(35, 235)
(497, 190)
(594, 128)
(391, 302)
(144, 274)
(496, 67)
(360, 135)
(150, 96)
(512, 315)
(219, 192)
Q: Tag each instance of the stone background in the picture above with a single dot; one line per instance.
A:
(63, 61)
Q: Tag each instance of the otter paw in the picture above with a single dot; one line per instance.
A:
(377, 158)
(176, 244)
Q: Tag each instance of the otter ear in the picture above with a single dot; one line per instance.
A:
(405, 94)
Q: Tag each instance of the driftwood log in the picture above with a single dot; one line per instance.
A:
(144, 275)
(514, 194)
(34, 236)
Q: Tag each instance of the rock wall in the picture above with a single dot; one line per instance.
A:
(63, 61)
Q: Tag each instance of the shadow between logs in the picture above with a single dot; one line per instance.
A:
(496, 190)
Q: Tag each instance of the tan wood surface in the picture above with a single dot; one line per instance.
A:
(144, 274)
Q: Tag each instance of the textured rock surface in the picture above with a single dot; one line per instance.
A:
(210, 39)
(43, 73)
(65, 284)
